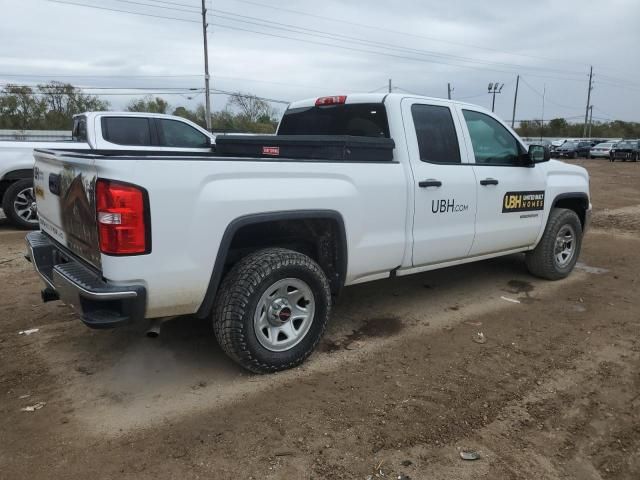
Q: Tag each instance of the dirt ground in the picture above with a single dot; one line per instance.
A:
(397, 389)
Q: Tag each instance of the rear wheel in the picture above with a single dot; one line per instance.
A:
(272, 310)
(19, 204)
(557, 253)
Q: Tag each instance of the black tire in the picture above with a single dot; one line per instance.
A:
(574, 155)
(13, 198)
(542, 261)
(237, 302)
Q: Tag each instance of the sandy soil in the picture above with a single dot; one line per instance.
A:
(398, 387)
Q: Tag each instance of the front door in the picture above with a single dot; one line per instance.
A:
(511, 196)
(444, 183)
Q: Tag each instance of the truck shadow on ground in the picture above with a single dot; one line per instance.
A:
(186, 352)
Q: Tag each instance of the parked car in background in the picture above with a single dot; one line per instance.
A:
(119, 131)
(626, 150)
(574, 149)
(602, 150)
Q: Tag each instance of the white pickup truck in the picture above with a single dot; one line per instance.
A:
(262, 235)
(111, 131)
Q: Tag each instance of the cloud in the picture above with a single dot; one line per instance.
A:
(421, 44)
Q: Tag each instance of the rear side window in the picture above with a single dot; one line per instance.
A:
(437, 139)
(127, 131)
(79, 133)
(174, 133)
(358, 119)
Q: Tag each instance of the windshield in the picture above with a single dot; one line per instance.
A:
(358, 119)
(604, 145)
(569, 145)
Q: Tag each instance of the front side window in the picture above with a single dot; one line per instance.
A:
(492, 143)
(179, 134)
(436, 133)
(127, 131)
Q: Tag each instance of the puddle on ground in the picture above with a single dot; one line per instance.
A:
(520, 286)
(372, 328)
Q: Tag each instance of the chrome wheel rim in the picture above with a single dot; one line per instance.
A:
(565, 246)
(284, 314)
(25, 205)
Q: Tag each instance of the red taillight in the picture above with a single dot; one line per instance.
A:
(121, 218)
(335, 100)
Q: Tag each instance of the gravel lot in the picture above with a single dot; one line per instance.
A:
(398, 386)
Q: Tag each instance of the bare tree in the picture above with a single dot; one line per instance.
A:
(252, 107)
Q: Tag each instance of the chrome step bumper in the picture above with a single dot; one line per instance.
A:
(99, 303)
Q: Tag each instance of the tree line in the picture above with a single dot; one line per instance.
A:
(559, 127)
(52, 106)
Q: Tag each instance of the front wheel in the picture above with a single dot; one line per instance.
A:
(19, 204)
(272, 310)
(557, 253)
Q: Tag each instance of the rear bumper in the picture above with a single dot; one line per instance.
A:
(99, 303)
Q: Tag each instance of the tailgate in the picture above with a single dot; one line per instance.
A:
(64, 186)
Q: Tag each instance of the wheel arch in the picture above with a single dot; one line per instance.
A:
(260, 220)
(576, 201)
(13, 176)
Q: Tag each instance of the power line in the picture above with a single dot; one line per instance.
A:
(122, 11)
(378, 28)
(328, 44)
(157, 6)
(335, 36)
(50, 75)
(547, 98)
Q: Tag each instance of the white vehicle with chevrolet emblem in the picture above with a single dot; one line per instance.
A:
(261, 235)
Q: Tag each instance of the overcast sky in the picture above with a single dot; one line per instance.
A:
(336, 47)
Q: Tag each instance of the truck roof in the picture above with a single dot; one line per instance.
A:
(110, 113)
(376, 98)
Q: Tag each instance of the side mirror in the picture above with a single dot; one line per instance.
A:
(539, 153)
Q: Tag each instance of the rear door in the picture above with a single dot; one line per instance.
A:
(444, 182)
(510, 196)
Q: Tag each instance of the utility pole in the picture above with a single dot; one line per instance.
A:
(493, 89)
(390, 87)
(207, 94)
(590, 119)
(515, 100)
(449, 91)
(586, 113)
(544, 93)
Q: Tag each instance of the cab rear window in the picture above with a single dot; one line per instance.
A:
(357, 119)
